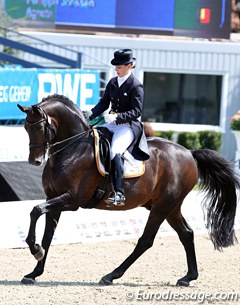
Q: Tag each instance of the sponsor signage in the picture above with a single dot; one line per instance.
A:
(28, 86)
(91, 226)
(198, 18)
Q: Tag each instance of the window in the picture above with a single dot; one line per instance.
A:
(182, 98)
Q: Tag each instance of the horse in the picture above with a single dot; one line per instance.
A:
(148, 130)
(62, 139)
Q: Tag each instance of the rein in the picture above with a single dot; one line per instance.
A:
(75, 137)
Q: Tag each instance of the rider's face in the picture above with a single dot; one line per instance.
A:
(122, 70)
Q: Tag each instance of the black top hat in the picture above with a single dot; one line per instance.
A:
(123, 57)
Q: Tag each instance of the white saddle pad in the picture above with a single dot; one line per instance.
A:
(132, 167)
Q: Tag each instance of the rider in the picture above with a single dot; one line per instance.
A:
(124, 94)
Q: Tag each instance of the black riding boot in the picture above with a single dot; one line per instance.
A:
(117, 197)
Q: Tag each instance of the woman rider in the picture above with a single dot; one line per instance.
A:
(124, 94)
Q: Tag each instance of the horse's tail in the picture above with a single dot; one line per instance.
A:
(219, 181)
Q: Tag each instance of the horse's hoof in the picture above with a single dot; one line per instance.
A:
(40, 254)
(182, 283)
(27, 281)
(105, 282)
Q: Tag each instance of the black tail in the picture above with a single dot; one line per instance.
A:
(219, 181)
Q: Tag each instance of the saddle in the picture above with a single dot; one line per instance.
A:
(132, 167)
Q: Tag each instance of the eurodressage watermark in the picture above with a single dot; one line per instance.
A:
(199, 297)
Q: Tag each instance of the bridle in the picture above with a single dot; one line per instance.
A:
(49, 130)
(50, 133)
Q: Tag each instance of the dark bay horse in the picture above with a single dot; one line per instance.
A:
(57, 128)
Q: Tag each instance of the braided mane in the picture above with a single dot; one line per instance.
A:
(63, 99)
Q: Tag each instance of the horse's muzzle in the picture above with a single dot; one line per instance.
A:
(36, 161)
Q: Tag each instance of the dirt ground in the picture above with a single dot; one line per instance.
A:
(73, 271)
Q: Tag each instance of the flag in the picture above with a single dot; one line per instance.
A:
(205, 15)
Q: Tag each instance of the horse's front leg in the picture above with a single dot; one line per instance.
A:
(55, 204)
(50, 227)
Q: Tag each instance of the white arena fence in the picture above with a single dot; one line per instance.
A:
(92, 225)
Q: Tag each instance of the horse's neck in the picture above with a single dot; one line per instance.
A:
(70, 127)
(67, 124)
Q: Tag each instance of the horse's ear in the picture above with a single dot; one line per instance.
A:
(36, 109)
(24, 109)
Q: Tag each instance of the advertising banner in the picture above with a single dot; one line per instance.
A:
(28, 86)
(92, 226)
(36, 10)
(86, 225)
(199, 18)
(115, 13)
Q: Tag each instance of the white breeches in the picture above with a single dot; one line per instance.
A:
(122, 138)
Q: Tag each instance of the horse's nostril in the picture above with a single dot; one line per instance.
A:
(38, 163)
(35, 162)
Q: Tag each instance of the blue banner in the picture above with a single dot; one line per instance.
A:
(28, 86)
(156, 14)
(86, 12)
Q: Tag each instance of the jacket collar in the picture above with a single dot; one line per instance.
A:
(125, 84)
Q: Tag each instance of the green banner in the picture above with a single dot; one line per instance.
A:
(40, 10)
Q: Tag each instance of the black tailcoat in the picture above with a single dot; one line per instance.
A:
(127, 102)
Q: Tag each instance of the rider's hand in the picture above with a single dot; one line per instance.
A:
(88, 114)
(110, 117)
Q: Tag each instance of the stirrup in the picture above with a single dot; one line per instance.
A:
(116, 199)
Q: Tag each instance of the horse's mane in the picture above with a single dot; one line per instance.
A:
(63, 99)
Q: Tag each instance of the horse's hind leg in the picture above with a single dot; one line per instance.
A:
(186, 236)
(50, 226)
(155, 219)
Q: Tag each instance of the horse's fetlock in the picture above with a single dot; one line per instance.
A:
(30, 241)
(193, 275)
